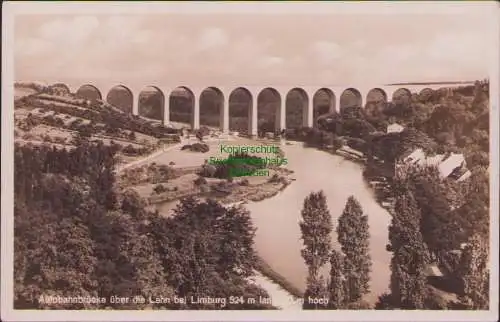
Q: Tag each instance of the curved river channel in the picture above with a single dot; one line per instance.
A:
(277, 219)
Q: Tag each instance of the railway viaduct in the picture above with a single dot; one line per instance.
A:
(308, 93)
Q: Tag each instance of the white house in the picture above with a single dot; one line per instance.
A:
(452, 162)
(453, 165)
(394, 128)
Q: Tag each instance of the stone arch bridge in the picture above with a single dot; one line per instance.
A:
(224, 93)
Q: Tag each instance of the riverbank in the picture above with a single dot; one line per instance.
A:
(254, 189)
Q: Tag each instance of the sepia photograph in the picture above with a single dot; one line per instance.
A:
(240, 161)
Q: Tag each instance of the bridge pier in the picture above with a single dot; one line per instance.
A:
(195, 123)
(224, 114)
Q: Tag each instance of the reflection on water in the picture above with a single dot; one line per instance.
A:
(277, 219)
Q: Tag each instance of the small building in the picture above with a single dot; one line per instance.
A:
(415, 157)
(394, 128)
(450, 164)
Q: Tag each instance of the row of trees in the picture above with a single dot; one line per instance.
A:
(349, 269)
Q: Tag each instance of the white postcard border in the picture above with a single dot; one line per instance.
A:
(11, 9)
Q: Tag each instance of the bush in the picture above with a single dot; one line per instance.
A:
(208, 170)
(238, 161)
(275, 178)
(200, 147)
(200, 181)
(159, 188)
(197, 147)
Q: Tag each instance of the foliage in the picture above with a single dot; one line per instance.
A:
(315, 289)
(409, 254)
(440, 227)
(75, 234)
(475, 273)
(353, 236)
(239, 162)
(316, 227)
(208, 250)
(159, 188)
(196, 147)
(336, 285)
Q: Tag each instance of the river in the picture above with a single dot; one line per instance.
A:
(277, 219)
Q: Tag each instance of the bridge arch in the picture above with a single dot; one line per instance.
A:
(350, 97)
(122, 97)
(296, 107)
(240, 110)
(324, 102)
(402, 96)
(376, 95)
(89, 92)
(211, 107)
(425, 94)
(61, 87)
(376, 100)
(181, 106)
(426, 90)
(268, 107)
(151, 103)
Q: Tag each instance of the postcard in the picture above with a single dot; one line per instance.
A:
(250, 161)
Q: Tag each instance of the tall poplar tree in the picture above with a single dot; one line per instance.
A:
(353, 236)
(409, 255)
(316, 227)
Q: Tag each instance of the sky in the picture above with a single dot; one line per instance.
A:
(253, 48)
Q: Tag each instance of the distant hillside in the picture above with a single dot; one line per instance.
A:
(62, 119)
(433, 83)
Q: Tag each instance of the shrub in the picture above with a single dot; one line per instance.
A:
(200, 147)
(159, 188)
(200, 181)
(196, 147)
(275, 178)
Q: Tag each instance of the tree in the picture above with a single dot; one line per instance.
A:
(316, 226)
(353, 236)
(439, 225)
(409, 255)
(336, 286)
(475, 274)
(315, 289)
